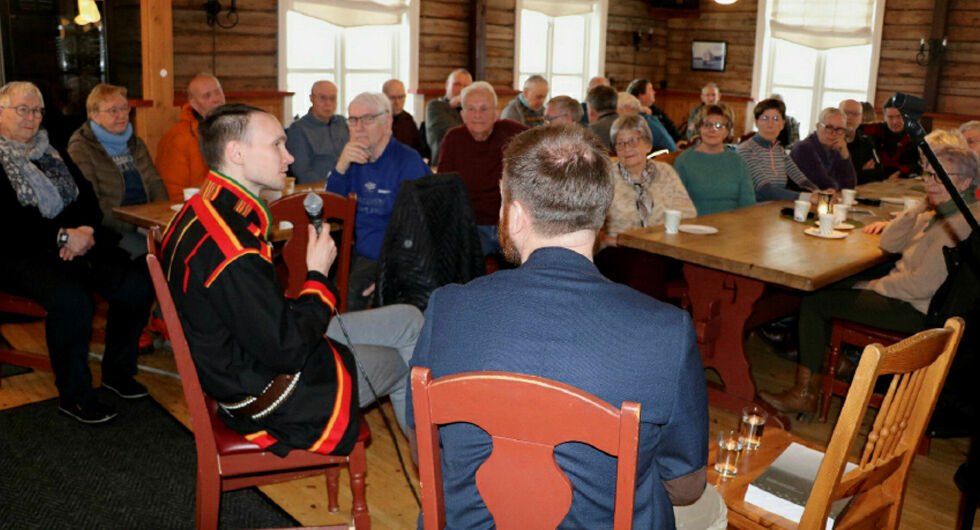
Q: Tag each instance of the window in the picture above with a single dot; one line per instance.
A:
(815, 53)
(356, 59)
(564, 42)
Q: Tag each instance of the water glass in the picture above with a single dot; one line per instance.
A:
(729, 450)
(751, 427)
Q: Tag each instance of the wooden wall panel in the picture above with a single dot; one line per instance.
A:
(960, 76)
(625, 60)
(441, 52)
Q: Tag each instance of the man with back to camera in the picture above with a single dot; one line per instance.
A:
(602, 103)
(443, 113)
(263, 357)
(528, 107)
(316, 139)
(557, 317)
(897, 153)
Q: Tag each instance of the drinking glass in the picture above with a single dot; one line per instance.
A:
(751, 427)
(729, 449)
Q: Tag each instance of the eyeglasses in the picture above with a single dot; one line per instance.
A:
(553, 118)
(632, 142)
(774, 119)
(365, 120)
(853, 113)
(116, 111)
(715, 126)
(931, 176)
(24, 111)
(834, 130)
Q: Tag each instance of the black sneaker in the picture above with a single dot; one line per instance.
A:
(91, 412)
(126, 387)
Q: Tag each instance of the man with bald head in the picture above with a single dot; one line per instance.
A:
(443, 114)
(710, 95)
(316, 139)
(178, 153)
(528, 106)
(858, 144)
(403, 126)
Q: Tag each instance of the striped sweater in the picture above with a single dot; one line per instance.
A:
(770, 166)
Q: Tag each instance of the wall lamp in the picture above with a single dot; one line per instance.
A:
(213, 10)
(930, 51)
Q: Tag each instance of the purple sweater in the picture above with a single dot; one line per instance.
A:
(824, 167)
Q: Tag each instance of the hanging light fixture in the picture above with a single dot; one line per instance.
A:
(725, 2)
(88, 13)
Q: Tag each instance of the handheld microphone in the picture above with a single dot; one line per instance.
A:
(313, 205)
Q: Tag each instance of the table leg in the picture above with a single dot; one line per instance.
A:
(721, 304)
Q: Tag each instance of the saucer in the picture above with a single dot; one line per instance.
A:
(815, 232)
(697, 229)
(841, 226)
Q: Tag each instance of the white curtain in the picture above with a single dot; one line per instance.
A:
(559, 8)
(823, 24)
(350, 13)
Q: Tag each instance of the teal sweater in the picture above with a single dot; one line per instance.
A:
(716, 183)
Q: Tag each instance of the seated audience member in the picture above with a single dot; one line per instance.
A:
(860, 147)
(594, 82)
(60, 254)
(823, 156)
(868, 112)
(556, 190)
(971, 131)
(603, 101)
(475, 151)
(562, 109)
(528, 107)
(116, 162)
(717, 180)
(791, 130)
(710, 95)
(630, 106)
(317, 139)
(373, 166)
(898, 155)
(898, 299)
(442, 114)
(766, 158)
(644, 188)
(178, 154)
(403, 126)
(254, 349)
(643, 90)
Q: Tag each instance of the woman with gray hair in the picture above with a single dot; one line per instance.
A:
(823, 156)
(630, 105)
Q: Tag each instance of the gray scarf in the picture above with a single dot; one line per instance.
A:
(38, 174)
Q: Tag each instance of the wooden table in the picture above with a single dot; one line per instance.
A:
(728, 272)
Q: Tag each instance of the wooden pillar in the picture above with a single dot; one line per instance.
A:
(156, 27)
(478, 50)
(930, 92)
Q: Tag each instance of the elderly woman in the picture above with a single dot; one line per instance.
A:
(768, 162)
(899, 299)
(629, 105)
(717, 180)
(59, 254)
(116, 162)
(823, 156)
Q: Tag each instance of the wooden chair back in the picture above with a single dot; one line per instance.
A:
(526, 417)
(335, 208)
(669, 158)
(919, 365)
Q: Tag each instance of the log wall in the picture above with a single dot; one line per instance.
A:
(625, 60)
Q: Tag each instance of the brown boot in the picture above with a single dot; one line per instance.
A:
(802, 397)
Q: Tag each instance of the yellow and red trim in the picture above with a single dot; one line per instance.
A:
(320, 290)
(340, 416)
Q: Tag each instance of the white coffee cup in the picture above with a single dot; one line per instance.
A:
(849, 196)
(805, 196)
(672, 219)
(826, 224)
(840, 213)
(190, 192)
(800, 209)
(910, 203)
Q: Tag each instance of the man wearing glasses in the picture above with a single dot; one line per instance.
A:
(823, 156)
(563, 109)
(316, 139)
(372, 166)
(860, 146)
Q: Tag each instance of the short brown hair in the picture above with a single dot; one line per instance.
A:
(562, 175)
(100, 93)
(225, 124)
(602, 98)
(769, 104)
(718, 109)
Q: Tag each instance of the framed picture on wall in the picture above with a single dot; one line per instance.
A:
(708, 55)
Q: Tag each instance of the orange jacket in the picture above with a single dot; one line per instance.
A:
(179, 156)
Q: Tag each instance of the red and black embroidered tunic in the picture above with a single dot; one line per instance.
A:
(243, 332)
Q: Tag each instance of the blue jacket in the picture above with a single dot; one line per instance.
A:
(316, 146)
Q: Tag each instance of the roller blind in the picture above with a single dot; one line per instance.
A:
(823, 24)
(559, 8)
(350, 13)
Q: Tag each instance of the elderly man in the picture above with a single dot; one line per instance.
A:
(556, 189)
(178, 153)
(643, 90)
(562, 109)
(710, 95)
(823, 156)
(372, 166)
(261, 356)
(861, 147)
(897, 153)
(316, 139)
(603, 102)
(475, 151)
(444, 113)
(528, 106)
(403, 126)
(594, 82)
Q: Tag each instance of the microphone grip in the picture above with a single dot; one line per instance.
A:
(317, 223)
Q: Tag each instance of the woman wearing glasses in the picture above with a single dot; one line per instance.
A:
(823, 156)
(58, 253)
(717, 179)
(116, 162)
(768, 162)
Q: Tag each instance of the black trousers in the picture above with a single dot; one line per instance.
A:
(66, 291)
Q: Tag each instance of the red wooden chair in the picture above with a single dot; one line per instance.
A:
(335, 207)
(527, 417)
(22, 306)
(226, 461)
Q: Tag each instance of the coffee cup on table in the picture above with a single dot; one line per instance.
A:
(826, 224)
(849, 196)
(672, 219)
(805, 196)
(190, 192)
(290, 186)
(910, 203)
(800, 209)
(840, 214)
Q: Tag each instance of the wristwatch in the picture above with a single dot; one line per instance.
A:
(62, 238)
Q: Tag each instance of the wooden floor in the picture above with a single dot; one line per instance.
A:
(931, 500)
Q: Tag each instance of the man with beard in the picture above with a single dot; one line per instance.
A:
(557, 317)
(897, 152)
